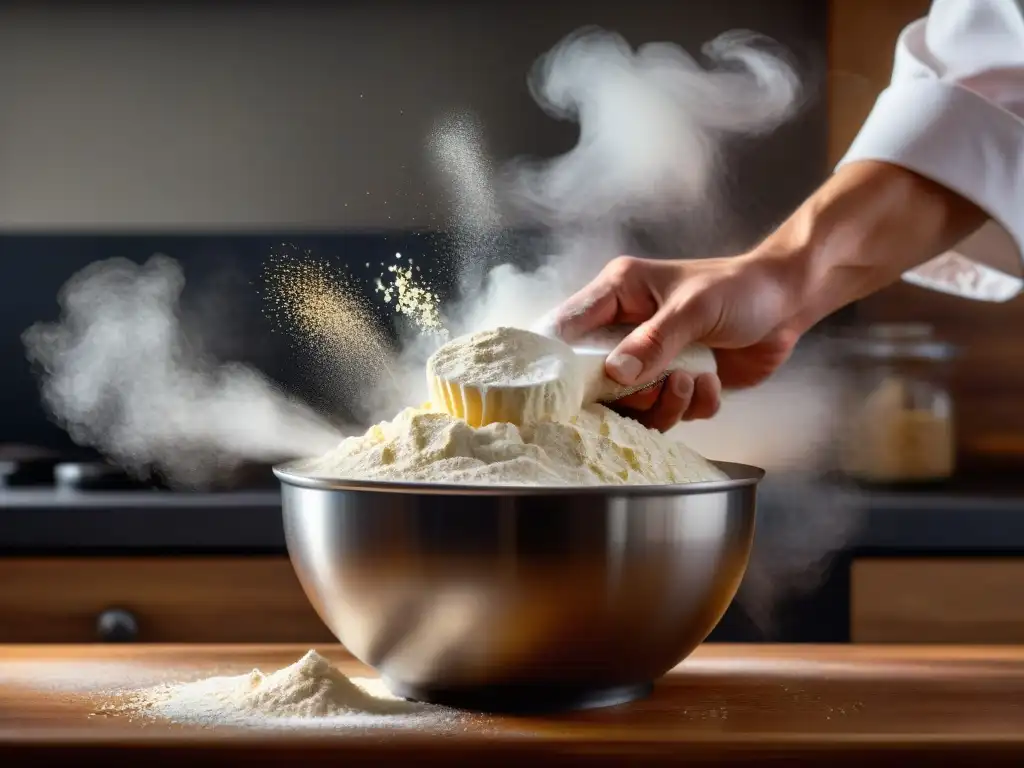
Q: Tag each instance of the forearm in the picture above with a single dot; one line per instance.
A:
(860, 231)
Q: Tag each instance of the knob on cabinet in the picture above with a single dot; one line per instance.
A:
(117, 625)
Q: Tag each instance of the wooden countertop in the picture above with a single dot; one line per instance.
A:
(726, 705)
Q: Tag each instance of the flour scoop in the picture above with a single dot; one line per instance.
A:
(593, 350)
(521, 377)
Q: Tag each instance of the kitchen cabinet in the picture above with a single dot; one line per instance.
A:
(937, 600)
(257, 599)
(202, 599)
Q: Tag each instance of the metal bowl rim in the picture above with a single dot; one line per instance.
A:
(740, 476)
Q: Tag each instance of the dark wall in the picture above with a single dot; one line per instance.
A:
(298, 114)
(212, 131)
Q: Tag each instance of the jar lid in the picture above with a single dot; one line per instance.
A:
(898, 341)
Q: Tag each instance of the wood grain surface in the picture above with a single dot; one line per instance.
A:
(727, 705)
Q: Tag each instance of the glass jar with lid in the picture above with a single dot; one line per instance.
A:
(898, 423)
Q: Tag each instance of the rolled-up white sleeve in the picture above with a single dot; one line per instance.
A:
(954, 113)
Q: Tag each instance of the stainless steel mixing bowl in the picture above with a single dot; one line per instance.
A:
(502, 599)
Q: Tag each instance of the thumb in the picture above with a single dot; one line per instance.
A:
(648, 351)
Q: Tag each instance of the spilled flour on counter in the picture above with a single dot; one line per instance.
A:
(310, 692)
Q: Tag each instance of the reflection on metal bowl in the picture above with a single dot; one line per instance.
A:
(505, 599)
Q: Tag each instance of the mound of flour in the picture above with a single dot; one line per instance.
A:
(596, 447)
(507, 410)
(310, 691)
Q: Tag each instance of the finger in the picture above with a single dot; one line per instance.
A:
(590, 308)
(643, 400)
(707, 398)
(648, 351)
(674, 401)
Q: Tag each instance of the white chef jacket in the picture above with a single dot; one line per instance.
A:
(954, 112)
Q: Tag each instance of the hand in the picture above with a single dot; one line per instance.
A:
(738, 306)
(866, 226)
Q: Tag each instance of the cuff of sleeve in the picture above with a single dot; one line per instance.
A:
(964, 142)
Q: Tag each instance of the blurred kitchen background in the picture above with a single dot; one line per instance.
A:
(214, 132)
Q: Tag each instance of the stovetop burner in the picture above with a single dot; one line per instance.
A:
(36, 468)
(94, 476)
(26, 465)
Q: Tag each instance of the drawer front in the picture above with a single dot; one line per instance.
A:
(937, 600)
(161, 600)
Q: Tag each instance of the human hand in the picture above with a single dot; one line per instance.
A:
(738, 306)
(859, 232)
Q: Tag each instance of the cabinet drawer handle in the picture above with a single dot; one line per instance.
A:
(116, 625)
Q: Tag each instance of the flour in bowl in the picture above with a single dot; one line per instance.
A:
(596, 447)
(546, 438)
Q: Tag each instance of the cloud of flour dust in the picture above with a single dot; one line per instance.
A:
(652, 121)
(458, 152)
(119, 374)
(787, 425)
(654, 124)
